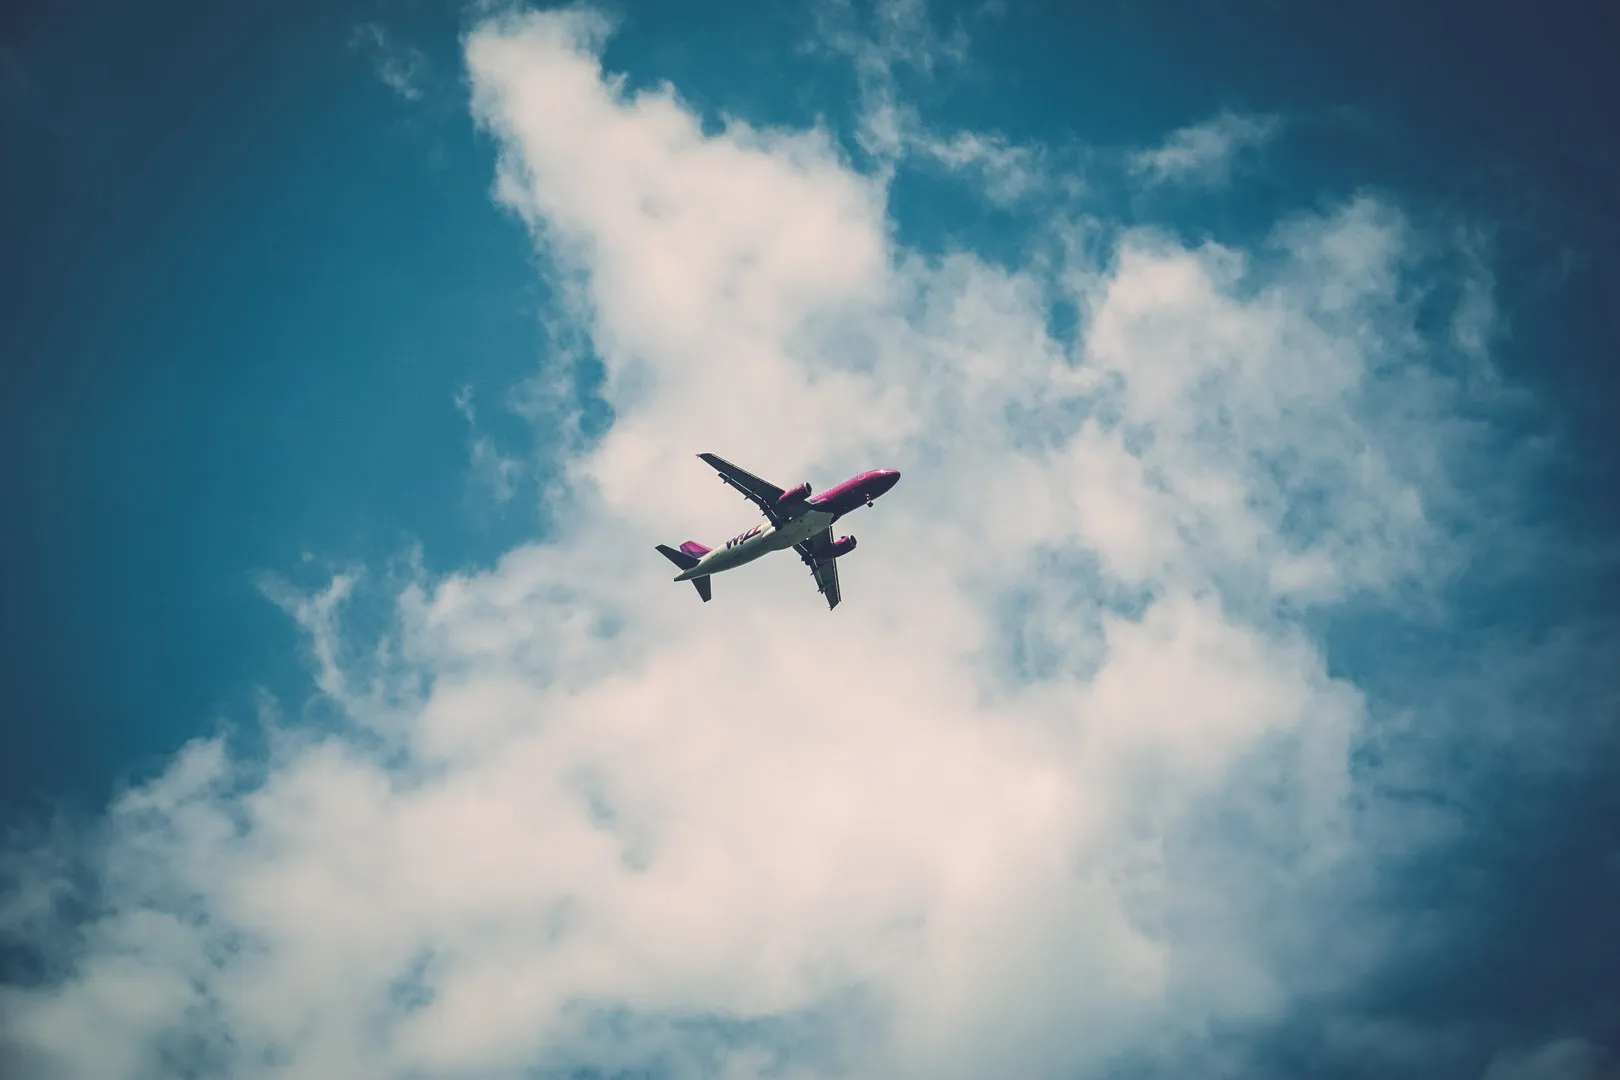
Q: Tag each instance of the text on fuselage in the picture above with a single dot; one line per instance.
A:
(749, 535)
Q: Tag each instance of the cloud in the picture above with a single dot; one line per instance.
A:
(398, 66)
(896, 35)
(1204, 154)
(496, 473)
(900, 38)
(1004, 173)
(1068, 774)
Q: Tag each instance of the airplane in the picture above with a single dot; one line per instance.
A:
(793, 519)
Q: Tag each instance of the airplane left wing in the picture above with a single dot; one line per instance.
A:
(824, 568)
(761, 493)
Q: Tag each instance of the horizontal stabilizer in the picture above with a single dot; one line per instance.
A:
(686, 560)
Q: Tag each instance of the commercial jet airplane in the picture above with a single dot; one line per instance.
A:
(793, 519)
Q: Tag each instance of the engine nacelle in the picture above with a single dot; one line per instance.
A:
(798, 494)
(844, 546)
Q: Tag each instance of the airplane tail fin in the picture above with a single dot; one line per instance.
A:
(686, 559)
(683, 559)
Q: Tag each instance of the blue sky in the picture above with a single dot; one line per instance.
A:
(321, 434)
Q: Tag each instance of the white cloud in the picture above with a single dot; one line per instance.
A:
(582, 819)
(1204, 153)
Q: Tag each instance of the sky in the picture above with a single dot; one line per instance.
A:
(1227, 689)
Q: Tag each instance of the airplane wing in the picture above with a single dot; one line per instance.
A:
(823, 568)
(759, 492)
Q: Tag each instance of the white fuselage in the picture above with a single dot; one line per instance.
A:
(762, 539)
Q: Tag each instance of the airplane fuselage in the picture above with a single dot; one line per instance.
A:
(761, 540)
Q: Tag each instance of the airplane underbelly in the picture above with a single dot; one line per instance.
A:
(746, 553)
(736, 555)
(770, 539)
(802, 528)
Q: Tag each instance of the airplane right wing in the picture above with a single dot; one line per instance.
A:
(763, 494)
(824, 568)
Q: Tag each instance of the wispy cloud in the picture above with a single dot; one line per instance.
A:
(885, 36)
(497, 473)
(900, 38)
(399, 66)
(888, 40)
(1205, 154)
(578, 822)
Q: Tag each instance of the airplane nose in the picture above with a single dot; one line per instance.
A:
(891, 477)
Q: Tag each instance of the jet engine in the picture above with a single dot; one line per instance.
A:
(844, 546)
(798, 494)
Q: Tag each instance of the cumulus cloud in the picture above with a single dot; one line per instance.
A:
(1067, 774)
(1205, 153)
